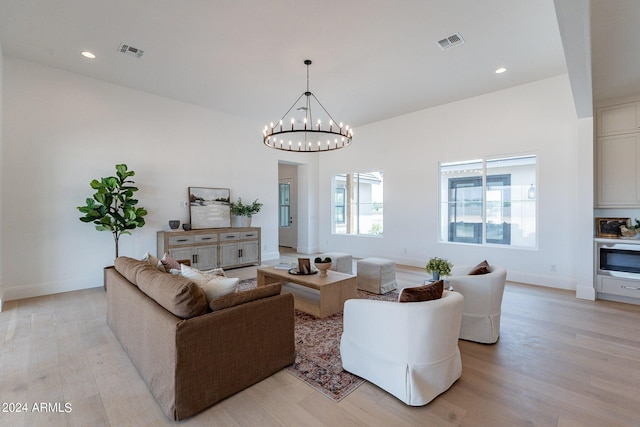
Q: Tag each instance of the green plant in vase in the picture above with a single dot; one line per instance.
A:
(245, 210)
(113, 207)
(630, 230)
(438, 267)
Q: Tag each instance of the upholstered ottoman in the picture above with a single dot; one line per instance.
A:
(376, 275)
(341, 262)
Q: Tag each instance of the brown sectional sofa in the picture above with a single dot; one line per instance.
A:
(190, 355)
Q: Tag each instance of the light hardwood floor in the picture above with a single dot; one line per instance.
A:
(560, 361)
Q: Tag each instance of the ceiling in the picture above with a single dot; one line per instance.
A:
(372, 59)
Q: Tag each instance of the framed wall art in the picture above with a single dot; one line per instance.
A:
(209, 207)
(610, 227)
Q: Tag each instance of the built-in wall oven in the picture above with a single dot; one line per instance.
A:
(618, 268)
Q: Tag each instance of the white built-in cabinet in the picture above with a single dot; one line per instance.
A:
(211, 248)
(618, 156)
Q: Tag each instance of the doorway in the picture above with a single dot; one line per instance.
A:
(287, 206)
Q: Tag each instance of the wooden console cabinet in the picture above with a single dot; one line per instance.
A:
(213, 247)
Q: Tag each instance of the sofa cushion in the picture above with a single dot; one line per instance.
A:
(245, 296)
(169, 263)
(422, 293)
(212, 283)
(153, 260)
(482, 268)
(178, 295)
(129, 268)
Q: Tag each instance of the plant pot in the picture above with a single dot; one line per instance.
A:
(246, 221)
(436, 276)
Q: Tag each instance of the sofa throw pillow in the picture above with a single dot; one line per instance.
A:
(238, 298)
(153, 260)
(482, 268)
(213, 285)
(216, 272)
(169, 263)
(422, 293)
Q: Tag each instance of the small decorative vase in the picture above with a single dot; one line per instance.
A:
(246, 221)
(323, 267)
(436, 276)
(174, 224)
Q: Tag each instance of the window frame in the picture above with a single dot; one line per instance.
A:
(444, 236)
(360, 178)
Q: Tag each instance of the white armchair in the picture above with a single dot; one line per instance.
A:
(482, 302)
(408, 349)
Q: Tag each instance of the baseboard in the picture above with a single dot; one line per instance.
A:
(48, 288)
(306, 250)
(542, 280)
(517, 276)
(618, 298)
(586, 292)
(268, 256)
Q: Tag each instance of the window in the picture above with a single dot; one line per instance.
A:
(284, 203)
(489, 201)
(340, 206)
(357, 203)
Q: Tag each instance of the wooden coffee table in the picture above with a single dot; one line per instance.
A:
(316, 295)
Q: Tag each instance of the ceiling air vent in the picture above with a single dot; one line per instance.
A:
(130, 50)
(451, 41)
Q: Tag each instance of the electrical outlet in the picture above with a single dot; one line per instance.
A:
(184, 204)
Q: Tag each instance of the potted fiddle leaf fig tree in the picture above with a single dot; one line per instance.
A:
(113, 207)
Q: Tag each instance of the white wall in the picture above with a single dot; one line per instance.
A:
(62, 130)
(538, 118)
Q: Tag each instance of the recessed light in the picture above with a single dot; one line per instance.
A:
(88, 54)
(500, 70)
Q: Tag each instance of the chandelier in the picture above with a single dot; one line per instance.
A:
(302, 134)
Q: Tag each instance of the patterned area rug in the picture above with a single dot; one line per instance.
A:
(318, 360)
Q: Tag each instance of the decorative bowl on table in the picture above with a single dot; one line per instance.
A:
(322, 265)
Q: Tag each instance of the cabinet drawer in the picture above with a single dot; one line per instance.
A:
(615, 286)
(249, 235)
(206, 238)
(181, 240)
(230, 236)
